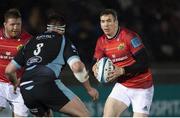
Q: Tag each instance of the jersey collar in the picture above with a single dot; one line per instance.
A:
(115, 36)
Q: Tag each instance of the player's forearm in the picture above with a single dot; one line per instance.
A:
(87, 85)
(141, 64)
(10, 73)
(12, 77)
(91, 65)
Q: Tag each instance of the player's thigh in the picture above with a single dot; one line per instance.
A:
(33, 96)
(117, 101)
(3, 95)
(53, 95)
(75, 107)
(140, 114)
(113, 107)
(142, 100)
(17, 102)
(3, 103)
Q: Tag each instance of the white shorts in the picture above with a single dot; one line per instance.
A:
(15, 100)
(140, 99)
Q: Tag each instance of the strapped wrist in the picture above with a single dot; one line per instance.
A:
(82, 76)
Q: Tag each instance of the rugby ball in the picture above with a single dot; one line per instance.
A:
(104, 66)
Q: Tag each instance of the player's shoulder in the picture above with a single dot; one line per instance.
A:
(25, 35)
(128, 33)
(102, 38)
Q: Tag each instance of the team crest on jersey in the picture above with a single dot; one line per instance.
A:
(19, 47)
(121, 46)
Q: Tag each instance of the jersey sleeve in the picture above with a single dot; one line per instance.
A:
(70, 51)
(134, 43)
(98, 53)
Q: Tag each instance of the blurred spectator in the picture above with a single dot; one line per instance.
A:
(36, 21)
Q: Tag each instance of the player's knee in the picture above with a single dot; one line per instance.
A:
(49, 113)
(85, 113)
(88, 114)
(75, 108)
(81, 114)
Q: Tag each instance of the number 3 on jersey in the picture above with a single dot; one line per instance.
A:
(38, 49)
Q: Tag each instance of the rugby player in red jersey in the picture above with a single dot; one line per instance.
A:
(134, 78)
(12, 38)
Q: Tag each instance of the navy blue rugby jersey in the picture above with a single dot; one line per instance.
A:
(50, 49)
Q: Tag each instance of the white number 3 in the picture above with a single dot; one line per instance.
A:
(38, 50)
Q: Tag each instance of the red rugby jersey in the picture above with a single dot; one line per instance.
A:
(120, 50)
(8, 49)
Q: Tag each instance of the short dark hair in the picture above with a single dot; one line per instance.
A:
(56, 17)
(12, 13)
(109, 11)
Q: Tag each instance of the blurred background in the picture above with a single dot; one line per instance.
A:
(157, 22)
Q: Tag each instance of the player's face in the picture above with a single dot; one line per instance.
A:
(12, 27)
(108, 25)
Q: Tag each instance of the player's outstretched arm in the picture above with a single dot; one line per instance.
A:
(91, 91)
(82, 76)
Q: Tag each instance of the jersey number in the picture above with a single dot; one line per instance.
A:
(38, 50)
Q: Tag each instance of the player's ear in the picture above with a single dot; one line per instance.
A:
(116, 22)
(4, 24)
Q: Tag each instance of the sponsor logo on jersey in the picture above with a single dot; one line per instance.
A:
(45, 37)
(35, 59)
(121, 46)
(119, 59)
(8, 53)
(113, 56)
(136, 42)
(7, 56)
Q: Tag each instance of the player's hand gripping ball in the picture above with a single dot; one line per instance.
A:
(104, 65)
